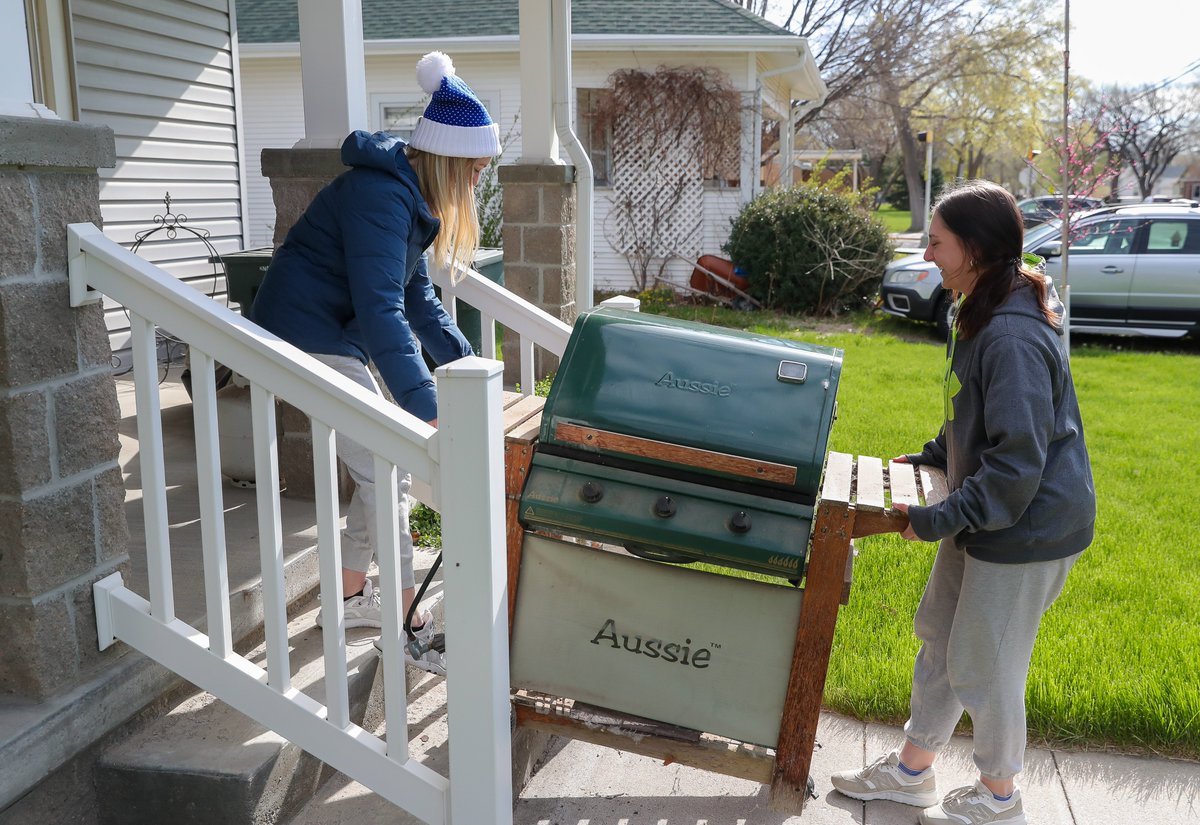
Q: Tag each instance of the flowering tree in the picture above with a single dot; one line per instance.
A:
(1091, 162)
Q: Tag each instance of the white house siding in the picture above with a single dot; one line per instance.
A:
(273, 116)
(160, 74)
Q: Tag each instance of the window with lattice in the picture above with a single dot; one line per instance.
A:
(594, 133)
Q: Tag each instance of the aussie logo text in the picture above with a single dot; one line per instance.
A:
(684, 653)
(714, 387)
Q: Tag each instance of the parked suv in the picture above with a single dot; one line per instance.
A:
(1133, 269)
(1048, 207)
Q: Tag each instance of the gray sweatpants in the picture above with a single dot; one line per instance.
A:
(977, 623)
(359, 541)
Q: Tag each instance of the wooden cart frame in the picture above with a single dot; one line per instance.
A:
(855, 501)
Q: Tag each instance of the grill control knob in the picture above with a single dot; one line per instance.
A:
(664, 507)
(591, 492)
(739, 522)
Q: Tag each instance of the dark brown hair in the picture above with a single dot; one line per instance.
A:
(985, 219)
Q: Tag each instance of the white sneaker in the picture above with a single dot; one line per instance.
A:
(361, 610)
(975, 805)
(883, 779)
(429, 658)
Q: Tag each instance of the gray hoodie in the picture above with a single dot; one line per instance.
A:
(1013, 449)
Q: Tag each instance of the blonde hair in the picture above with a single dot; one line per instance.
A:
(446, 185)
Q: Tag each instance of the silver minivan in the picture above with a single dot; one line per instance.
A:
(1133, 270)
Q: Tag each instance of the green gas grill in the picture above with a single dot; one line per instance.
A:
(685, 442)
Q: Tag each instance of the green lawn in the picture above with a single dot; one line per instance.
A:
(1117, 661)
(894, 220)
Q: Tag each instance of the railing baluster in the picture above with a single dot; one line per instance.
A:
(150, 458)
(451, 304)
(487, 333)
(212, 510)
(395, 688)
(329, 557)
(270, 538)
(526, 366)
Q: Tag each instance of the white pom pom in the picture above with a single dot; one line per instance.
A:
(432, 68)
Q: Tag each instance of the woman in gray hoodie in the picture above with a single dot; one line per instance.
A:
(1021, 510)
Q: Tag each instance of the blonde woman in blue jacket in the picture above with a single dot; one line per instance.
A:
(350, 285)
(1021, 510)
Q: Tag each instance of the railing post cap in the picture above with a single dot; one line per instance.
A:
(470, 367)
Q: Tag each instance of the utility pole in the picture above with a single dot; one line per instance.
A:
(926, 137)
(1066, 174)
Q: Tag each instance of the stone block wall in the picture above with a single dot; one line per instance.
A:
(62, 522)
(539, 250)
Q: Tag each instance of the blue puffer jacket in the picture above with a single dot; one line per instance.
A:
(350, 277)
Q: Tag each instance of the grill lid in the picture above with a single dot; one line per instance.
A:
(682, 396)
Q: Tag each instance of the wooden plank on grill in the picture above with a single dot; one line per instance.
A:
(839, 475)
(933, 484)
(903, 481)
(592, 438)
(642, 736)
(522, 410)
(870, 484)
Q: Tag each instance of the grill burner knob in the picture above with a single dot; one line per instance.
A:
(739, 522)
(591, 492)
(664, 507)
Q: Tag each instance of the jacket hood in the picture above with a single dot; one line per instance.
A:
(1023, 301)
(379, 151)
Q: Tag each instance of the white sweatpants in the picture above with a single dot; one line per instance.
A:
(977, 623)
(359, 542)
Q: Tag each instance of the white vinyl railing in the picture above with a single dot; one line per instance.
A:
(461, 464)
(496, 304)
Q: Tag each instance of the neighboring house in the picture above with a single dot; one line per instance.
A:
(772, 67)
(1189, 180)
(162, 75)
(1179, 180)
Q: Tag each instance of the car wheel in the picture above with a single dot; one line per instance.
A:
(943, 316)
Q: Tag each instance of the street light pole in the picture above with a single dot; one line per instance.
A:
(1066, 174)
(926, 137)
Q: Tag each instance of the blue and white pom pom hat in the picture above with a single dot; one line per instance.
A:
(455, 123)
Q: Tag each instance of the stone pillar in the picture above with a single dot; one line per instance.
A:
(296, 176)
(539, 250)
(62, 518)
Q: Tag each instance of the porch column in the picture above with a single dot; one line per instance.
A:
(539, 196)
(62, 518)
(539, 250)
(332, 70)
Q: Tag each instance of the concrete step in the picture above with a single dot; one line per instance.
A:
(204, 763)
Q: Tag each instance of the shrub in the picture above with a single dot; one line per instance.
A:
(810, 249)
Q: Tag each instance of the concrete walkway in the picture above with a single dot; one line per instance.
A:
(582, 784)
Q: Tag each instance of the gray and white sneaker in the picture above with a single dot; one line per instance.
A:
(883, 779)
(361, 610)
(420, 651)
(975, 805)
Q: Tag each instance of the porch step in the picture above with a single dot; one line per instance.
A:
(204, 763)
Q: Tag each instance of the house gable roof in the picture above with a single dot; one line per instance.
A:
(276, 21)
